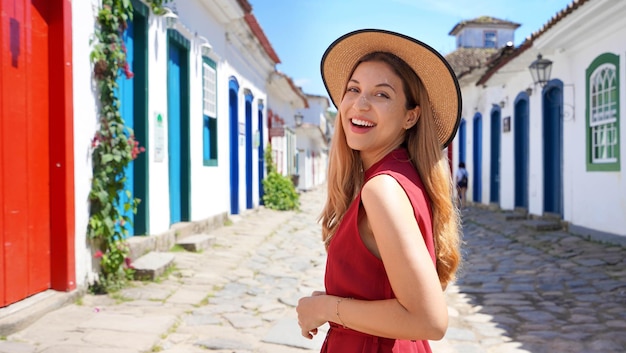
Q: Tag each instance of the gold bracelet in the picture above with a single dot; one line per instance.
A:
(337, 311)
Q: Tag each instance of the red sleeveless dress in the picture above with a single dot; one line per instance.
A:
(352, 271)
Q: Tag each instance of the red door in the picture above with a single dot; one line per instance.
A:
(24, 150)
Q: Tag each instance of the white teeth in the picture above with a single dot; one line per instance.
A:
(362, 123)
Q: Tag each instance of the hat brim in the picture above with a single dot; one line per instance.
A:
(436, 74)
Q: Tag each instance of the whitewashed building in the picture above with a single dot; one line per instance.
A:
(313, 137)
(285, 101)
(197, 101)
(204, 68)
(553, 147)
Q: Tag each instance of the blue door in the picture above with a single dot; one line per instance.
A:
(261, 154)
(140, 125)
(125, 92)
(462, 141)
(553, 147)
(478, 158)
(494, 182)
(233, 103)
(132, 87)
(522, 150)
(178, 128)
(249, 149)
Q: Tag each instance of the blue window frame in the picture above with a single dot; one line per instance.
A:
(491, 39)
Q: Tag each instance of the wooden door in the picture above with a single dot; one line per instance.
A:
(494, 180)
(233, 104)
(553, 149)
(178, 128)
(478, 158)
(24, 150)
(522, 151)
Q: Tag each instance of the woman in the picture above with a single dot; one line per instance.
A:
(390, 224)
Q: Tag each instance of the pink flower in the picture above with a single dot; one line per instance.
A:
(96, 140)
(98, 254)
(129, 74)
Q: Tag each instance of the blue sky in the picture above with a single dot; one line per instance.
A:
(300, 30)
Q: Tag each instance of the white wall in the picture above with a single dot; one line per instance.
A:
(158, 187)
(85, 118)
(606, 191)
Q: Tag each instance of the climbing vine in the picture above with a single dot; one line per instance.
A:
(114, 147)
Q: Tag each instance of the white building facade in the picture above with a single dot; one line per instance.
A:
(204, 68)
(554, 148)
(313, 138)
(285, 101)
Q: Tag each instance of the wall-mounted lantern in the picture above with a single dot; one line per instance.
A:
(540, 70)
(205, 46)
(171, 19)
(298, 119)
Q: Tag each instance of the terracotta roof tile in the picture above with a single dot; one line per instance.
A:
(464, 60)
(258, 32)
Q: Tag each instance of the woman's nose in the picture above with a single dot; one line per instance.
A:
(362, 103)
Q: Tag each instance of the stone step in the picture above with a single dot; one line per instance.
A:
(552, 216)
(514, 216)
(543, 225)
(196, 242)
(143, 244)
(493, 206)
(152, 265)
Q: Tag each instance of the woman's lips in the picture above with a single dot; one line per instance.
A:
(361, 125)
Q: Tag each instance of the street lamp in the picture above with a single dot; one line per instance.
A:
(170, 18)
(298, 118)
(540, 70)
(205, 46)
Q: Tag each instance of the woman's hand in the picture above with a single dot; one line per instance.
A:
(310, 313)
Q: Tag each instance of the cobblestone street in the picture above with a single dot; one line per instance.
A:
(524, 290)
(520, 290)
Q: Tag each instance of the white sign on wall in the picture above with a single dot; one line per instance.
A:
(159, 139)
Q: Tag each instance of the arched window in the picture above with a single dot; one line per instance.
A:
(603, 113)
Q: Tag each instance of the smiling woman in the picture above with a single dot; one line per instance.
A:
(390, 226)
(373, 100)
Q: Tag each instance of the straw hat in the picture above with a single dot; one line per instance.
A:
(440, 81)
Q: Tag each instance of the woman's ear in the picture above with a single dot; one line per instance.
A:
(413, 116)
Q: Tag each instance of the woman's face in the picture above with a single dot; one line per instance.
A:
(373, 111)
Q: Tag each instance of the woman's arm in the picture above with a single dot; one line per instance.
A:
(419, 310)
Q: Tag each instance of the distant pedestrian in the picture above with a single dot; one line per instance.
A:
(390, 223)
(462, 177)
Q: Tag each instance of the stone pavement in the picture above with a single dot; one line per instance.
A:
(520, 291)
(523, 290)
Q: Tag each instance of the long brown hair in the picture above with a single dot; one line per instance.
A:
(345, 172)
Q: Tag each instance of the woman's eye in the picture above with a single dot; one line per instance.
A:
(352, 89)
(382, 94)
